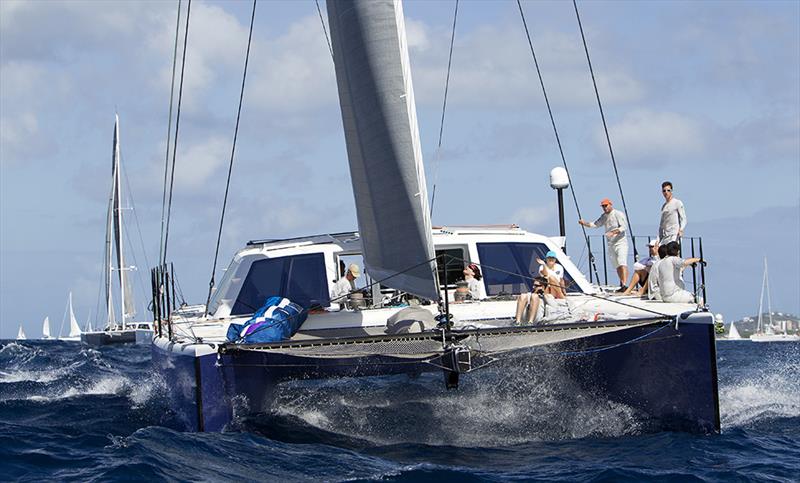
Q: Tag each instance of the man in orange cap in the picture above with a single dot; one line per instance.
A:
(616, 224)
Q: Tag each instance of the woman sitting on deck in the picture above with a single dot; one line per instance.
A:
(554, 274)
(533, 301)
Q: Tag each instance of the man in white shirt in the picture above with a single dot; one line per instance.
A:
(346, 284)
(673, 217)
(615, 223)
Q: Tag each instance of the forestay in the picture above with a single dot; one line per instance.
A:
(380, 124)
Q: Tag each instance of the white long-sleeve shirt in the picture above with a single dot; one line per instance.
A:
(673, 219)
(615, 220)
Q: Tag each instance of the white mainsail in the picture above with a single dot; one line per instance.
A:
(74, 328)
(46, 328)
(733, 333)
(21, 334)
(376, 96)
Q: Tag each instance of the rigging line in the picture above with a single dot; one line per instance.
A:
(135, 263)
(177, 125)
(555, 131)
(444, 107)
(233, 152)
(135, 216)
(169, 131)
(324, 29)
(605, 128)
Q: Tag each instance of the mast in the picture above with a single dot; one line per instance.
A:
(769, 299)
(759, 325)
(118, 221)
(111, 323)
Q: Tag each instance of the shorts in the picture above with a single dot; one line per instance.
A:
(618, 254)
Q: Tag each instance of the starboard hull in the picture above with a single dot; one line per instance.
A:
(666, 374)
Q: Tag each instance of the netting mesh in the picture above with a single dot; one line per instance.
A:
(420, 347)
(503, 342)
(394, 347)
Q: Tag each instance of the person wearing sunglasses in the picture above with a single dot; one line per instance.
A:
(673, 217)
(615, 224)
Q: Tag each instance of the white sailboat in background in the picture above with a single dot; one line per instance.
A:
(733, 333)
(767, 333)
(21, 334)
(46, 329)
(74, 328)
(124, 330)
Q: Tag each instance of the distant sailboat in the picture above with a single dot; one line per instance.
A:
(733, 333)
(766, 333)
(46, 329)
(125, 329)
(21, 334)
(74, 328)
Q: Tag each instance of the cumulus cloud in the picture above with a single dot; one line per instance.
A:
(534, 217)
(647, 136)
(492, 67)
(294, 71)
(198, 161)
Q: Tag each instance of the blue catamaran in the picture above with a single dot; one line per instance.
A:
(402, 316)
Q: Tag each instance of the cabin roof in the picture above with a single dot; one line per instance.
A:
(346, 237)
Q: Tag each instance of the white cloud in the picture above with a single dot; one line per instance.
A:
(492, 67)
(651, 136)
(533, 217)
(16, 134)
(293, 72)
(199, 161)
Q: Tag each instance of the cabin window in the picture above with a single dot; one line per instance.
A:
(509, 267)
(299, 278)
(450, 265)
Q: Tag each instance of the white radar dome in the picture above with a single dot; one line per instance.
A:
(559, 178)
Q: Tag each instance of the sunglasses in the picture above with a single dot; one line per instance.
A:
(604, 206)
(666, 191)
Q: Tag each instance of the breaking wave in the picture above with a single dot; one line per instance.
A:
(489, 409)
(765, 391)
(51, 371)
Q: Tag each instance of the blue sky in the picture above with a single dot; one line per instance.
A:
(706, 94)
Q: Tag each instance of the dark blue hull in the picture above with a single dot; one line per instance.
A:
(667, 375)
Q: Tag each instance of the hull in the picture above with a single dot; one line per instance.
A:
(129, 336)
(667, 374)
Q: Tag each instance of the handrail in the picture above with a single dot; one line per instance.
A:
(695, 248)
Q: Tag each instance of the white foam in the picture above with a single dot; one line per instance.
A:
(772, 391)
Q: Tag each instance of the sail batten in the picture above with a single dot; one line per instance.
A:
(379, 116)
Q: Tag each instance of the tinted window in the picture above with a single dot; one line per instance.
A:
(300, 278)
(509, 267)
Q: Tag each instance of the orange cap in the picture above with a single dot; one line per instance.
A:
(606, 201)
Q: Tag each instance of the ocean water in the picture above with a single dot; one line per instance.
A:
(69, 412)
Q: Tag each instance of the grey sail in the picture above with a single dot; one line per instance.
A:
(373, 75)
